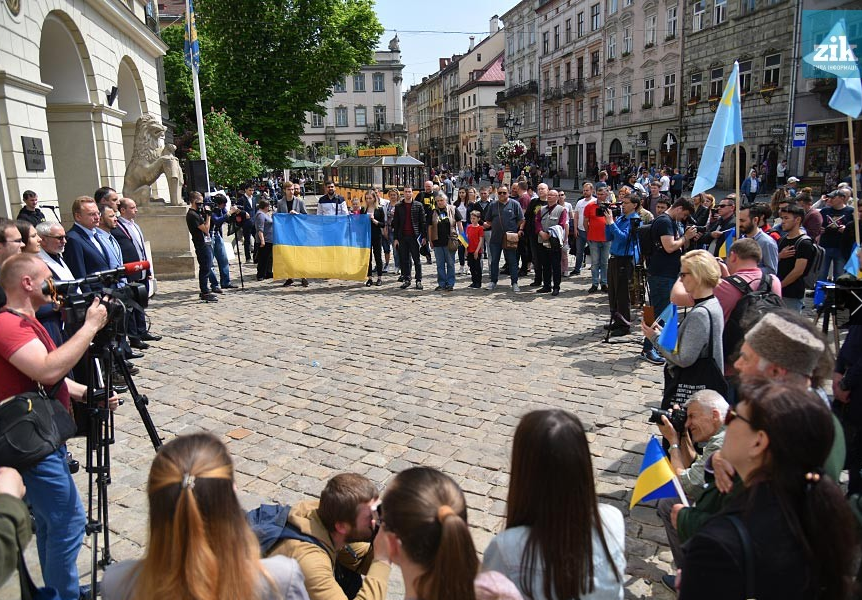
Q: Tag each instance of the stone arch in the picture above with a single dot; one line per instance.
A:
(65, 65)
(132, 100)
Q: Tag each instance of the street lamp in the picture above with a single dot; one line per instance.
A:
(577, 156)
(512, 127)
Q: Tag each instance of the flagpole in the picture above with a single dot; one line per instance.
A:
(738, 195)
(853, 179)
(682, 498)
(197, 91)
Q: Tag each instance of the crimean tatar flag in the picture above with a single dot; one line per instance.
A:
(321, 247)
(669, 336)
(191, 47)
(656, 479)
(726, 130)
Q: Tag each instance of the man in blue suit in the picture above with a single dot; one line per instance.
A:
(85, 253)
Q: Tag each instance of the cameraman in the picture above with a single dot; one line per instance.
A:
(704, 424)
(28, 357)
(624, 255)
(221, 214)
(199, 220)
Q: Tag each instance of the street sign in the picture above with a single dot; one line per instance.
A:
(800, 134)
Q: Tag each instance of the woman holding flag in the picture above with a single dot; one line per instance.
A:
(692, 349)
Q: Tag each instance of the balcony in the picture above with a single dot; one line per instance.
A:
(386, 128)
(528, 87)
(574, 87)
(552, 93)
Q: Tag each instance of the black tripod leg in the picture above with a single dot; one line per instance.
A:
(238, 258)
(140, 401)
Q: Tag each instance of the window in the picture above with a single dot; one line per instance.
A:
(569, 71)
(716, 82)
(612, 46)
(359, 116)
(556, 37)
(546, 42)
(581, 24)
(547, 118)
(610, 100)
(627, 97)
(520, 36)
(316, 120)
(746, 7)
(341, 116)
(594, 109)
(772, 70)
(671, 22)
(594, 64)
(720, 13)
(627, 40)
(340, 86)
(568, 115)
(745, 77)
(627, 3)
(697, 19)
(379, 115)
(580, 106)
(580, 68)
(695, 87)
(510, 45)
(568, 31)
(532, 34)
(557, 117)
(612, 6)
(649, 31)
(546, 79)
(669, 89)
(520, 75)
(557, 76)
(649, 91)
(595, 17)
(377, 82)
(359, 82)
(533, 112)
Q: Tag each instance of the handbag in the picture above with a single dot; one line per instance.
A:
(510, 239)
(704, 374)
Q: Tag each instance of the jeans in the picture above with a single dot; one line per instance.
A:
(408, 248)
(580, 245)
(220, 255)
(794, 303)
(833, 257)
(204, 254)
(445, 259)
(600, 252)
(511, 260)
(659, 297)
(60, 520)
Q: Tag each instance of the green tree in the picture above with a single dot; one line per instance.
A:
(232, 159)
(275, 60)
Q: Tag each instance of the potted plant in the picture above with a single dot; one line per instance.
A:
(646, 105)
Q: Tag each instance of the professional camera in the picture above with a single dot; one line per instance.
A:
(615, 209)
(677, 417)
(700, 228)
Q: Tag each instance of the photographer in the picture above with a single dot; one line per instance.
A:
(198, 220)
(221, 214)
(624, 254)
(704, 424)
(28, 357)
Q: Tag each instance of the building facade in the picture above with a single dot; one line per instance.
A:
(481, 118)
(364, 109)
(717, 33)
(451, 81)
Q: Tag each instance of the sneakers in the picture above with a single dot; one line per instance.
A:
(378, 282)
(386, 268)
(575, 272)
(439, 288)
(217, 290)
(604, 288)
(621, 331)
(405, 285)
(304, 282)
(287, 283)
(669, 581)
(418, 285)
(492, 285)
(400, 278)
(593, 289)
(651, 356)
(515, 287)
(208, 297)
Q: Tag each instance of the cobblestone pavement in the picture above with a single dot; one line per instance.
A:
(303, 383)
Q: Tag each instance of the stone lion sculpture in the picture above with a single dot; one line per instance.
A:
(149, 161)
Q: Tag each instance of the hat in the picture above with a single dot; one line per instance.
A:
(792, 180)
(785, 344)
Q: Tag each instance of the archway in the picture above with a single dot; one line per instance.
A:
(63, 64)
(132, 100)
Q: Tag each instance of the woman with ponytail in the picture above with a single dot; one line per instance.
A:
(425, 521)
(791, 519)
(559, 542)
(200, 546)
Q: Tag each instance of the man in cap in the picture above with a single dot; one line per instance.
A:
(792, 186)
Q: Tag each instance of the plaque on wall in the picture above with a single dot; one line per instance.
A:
(34, 155)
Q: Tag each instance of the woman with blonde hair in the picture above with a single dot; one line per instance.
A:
(378, 222)
(200, 545)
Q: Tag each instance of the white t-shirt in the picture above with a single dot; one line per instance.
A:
(664, 183)
(580, 207)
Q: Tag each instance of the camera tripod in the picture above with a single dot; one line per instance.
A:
(101, 359)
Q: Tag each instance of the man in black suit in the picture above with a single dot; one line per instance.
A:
(246, 203)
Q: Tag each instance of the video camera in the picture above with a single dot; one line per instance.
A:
(117, 300)
(615, 209)
(677, 417)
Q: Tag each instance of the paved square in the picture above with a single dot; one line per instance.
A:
(303, 383)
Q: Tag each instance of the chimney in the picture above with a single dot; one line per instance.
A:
(495, 24)
(472, 43)
(444, 62)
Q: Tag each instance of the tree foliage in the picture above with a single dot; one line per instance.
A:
(272, 61)
(231, 158)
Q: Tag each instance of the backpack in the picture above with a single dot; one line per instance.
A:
(648, 245)
(753, 306)
(812, 269)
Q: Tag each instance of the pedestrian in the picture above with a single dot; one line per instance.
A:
(551, 225)
(504, 217)
(475, 237)
(445, 225)
(462, 207)
(378, 223)
(263, 230)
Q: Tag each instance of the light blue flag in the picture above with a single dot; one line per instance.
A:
(669, 336)
(726, 130)
(847, 97)
(852, 265)
(191, 47)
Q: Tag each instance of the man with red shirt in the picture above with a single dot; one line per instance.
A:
(600, 247)
(28, 357)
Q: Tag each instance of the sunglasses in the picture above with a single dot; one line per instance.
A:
(731, 415)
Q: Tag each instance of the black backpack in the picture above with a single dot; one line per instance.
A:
(812, 269)
(647, 243)
(753, 306)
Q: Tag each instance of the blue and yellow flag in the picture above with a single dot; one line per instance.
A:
(726, 130)
(318, 247)
(726, 243)
(852, 265)
(656, 477)
(462, 237)
(669, 336)
(191, 48)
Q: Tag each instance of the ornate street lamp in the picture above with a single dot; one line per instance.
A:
(577, 156)
(512, 127)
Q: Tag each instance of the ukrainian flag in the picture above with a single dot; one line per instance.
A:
(191, 47)
(726, 130)
(462, 237)
(669, 336)
(852, 266)
(724, 249)
(318, 247)
(656, 479)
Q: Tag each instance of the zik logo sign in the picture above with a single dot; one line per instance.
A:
(839, 49)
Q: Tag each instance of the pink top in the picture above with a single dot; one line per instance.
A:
(728, 296)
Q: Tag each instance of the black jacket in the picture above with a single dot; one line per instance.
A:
(417, 214)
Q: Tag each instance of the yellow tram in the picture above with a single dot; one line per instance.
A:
(375, 167)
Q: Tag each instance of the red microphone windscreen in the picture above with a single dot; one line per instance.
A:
(136, 267)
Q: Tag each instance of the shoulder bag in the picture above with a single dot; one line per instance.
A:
(510, 239)
(704, 374)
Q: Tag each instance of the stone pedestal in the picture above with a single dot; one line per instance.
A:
(164, 227)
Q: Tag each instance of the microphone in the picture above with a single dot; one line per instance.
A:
(131, 268)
